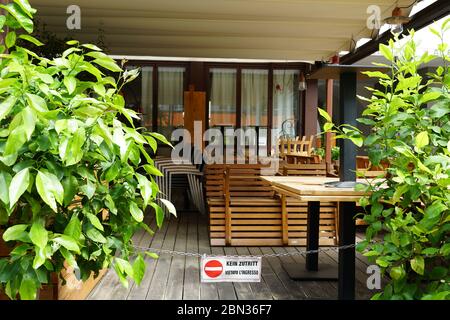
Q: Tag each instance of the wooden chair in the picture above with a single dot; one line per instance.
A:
(297, 150)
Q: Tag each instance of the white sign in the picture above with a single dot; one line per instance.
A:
(230, 269)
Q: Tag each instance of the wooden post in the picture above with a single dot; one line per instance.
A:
(194, 110)
(311, 100)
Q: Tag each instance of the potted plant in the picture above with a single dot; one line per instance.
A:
(410, 207)
(74, 180)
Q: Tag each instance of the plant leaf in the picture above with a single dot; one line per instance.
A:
(28, 289)
(10, 39)
(5, 181)
(70, 83)
(18, 186)
(6, 106)
(67, 242)
(169, 206)
(95, 221)
(138, 269)
(37, 103)
(42, 183)
(16, 11)
(38, 234)
(325, 115)
(418, 264)
(136, 212)
(108, 63)
(146, 189)
(159, 214)
(95, 235)
(73, 228)
(14, 232)
(386, 52)
(421, 140)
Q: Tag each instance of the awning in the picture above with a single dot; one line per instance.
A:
(303, 30)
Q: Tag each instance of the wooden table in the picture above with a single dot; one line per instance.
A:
(313, 191)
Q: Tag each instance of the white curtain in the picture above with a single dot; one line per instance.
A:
(170, 99)
(284, 101)
(222, 109)
(254, 97)
(147, 96)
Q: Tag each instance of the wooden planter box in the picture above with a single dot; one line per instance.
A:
(73, 290)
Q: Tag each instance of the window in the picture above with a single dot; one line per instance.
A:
(254, 101)
(285, 103)
(170, 99)
(222, 102)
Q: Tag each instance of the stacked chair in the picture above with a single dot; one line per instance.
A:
(186, 175)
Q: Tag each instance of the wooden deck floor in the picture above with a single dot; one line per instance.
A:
(177, 277)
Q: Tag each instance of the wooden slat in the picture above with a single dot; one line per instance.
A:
(161, 274)
(176, 272)
(191, 288)
(284, 219)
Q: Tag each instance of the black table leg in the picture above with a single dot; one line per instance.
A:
(311, 270)
(312, 240)
(346, 286)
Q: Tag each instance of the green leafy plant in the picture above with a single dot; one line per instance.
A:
(335, 152)
(410, 208)
(74, 180)
(319, 151)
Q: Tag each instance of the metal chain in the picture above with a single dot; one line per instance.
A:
(269, 255)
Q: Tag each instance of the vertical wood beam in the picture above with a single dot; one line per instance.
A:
(196, 76)
(311, 100)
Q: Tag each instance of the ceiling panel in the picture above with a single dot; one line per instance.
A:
(304, 30)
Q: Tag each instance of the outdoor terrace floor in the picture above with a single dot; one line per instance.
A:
(177, 277)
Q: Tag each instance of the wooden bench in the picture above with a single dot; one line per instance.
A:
(244, 210)
(296, 210)
(242, 207)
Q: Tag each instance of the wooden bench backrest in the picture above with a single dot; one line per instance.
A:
(214, 179)
(245, 181)
(305, 169)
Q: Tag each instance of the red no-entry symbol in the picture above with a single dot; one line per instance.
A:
(213, 268)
